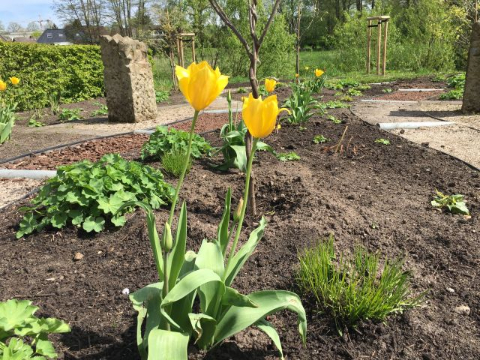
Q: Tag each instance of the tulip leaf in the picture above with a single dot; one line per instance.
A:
(237, 319)
(233, 298)
(204, 329)
(167, 345)
(244, 253)
(268, 329)
(222, 232)
(177, 255)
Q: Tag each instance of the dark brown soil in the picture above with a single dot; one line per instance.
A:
(374, 195)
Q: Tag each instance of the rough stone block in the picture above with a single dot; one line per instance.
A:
(128, 80)
(471, 96)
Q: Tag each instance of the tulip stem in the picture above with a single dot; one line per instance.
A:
(244, 207)
(185, 166)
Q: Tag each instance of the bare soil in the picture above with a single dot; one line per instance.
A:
(367, 193)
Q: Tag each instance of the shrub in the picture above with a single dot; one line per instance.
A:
(88, 194)
(174, 161)
(165, 140)
(26, 335)
(354, 289)
(76, 71)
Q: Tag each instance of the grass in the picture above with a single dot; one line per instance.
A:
(173, 162)
(354, 288)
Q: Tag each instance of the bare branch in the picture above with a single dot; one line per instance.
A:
(269, 22)
(227, 22)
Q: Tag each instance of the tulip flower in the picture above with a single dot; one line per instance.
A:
(200, 84)
(14, 80)
(318, 72)
(260, 116)
(3, 85)
(270, 85)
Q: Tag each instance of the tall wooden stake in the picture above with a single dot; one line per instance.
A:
(385, 49)
(379, 45)
(369, 44)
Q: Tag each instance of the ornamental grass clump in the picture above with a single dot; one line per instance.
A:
(352, 289)
(167, 317)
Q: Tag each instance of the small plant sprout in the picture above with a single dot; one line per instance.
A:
(334, 119)
(383, 141)
(453, 203)
(35, 119)
(289, 156)
(70, 115)
(387, 90)
(100, 112)
(320, 139)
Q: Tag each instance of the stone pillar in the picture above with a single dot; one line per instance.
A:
(128, 80)
(471, 96)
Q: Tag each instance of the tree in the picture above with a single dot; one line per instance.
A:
(2, 28)
(14, 27)
(33, 26)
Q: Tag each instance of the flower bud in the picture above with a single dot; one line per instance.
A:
(238, 213)
(167, 241)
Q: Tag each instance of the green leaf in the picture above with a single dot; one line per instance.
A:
(16, 314)
(241, 157)
(268, 329)
(59, 220)
(233, 298)
(204, 329)
(110, 205)
(167, 345)
(118, 220)
(177, 255)
(222, 232)
(45, 347)
(271, 301)
(17, 350)
(93, 224)
(244, 253)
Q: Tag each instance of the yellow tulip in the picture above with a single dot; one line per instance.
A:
(14, 80)
(318, 72)
(260, 116)
(270, 85)
(200, 84)
(3, 85)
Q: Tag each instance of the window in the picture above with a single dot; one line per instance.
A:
(49, 35)
(60, 35)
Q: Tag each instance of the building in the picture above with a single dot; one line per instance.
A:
(55, 37)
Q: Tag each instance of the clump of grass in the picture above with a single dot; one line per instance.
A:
(174, 161)
(357, 288)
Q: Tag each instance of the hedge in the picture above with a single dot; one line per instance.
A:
(76, 71)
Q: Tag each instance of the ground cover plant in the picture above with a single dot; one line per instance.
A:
(457, 82)
(91, 195)
(69, 115)
(165, 140)
(288, 156)
(174, 161)
(357, 287)
(24, 336)
(453, 203)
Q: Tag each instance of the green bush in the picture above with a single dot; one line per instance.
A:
(174, 161)
(74, 71)
(165, 140)
(23, 336)
(88, 194)
(357, 288)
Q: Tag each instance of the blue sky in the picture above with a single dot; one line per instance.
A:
(24, 11)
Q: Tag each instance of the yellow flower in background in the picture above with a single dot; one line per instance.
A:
(260, 116)
(14, 80)
(318, 72)
(3, 85)
(200, 84)
(279, 126)
(296, 75)
(307, 68)
(270, 85)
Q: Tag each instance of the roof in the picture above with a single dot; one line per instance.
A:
(53, 36)
(25, 40)
(4, 38)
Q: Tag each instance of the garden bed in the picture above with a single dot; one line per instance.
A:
(369, 194)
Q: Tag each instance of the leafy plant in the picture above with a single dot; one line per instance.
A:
(454, 203)
(241, 90)
(161, 96)
(34, 123)
(70, 115)
(54, 100)
(165, 140)
(24, 336)
(456, 81)
(89, 194)
(387, 90)
(289, 156)
(346, 98)
(301, 104)
(174, 161)
(333, 104)
(383, 141)
(354, 92)
(334, 119)
(356, 288)
(455, 94)
(100, 112)
(7, 120)
(363, 87)
(320, 139)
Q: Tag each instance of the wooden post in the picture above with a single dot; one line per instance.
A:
(385, 48)
(476, 10)
(379, 45)
(193, 49)
(369, 41)
(178, 52)
(181, 52)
